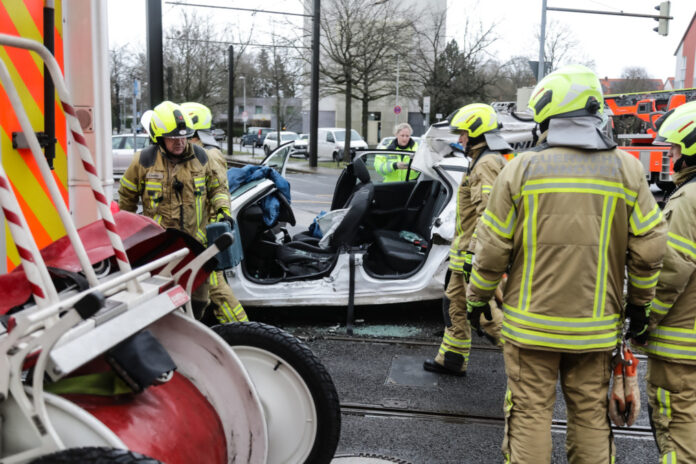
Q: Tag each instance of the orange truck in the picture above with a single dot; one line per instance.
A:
(633, 118)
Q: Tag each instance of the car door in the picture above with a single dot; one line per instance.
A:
(401, 205)
(278, 159)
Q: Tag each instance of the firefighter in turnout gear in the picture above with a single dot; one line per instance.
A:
(566, 221)
(671, 348)
(393, 167)
(226, 306)
(477, 126)
(175, 180)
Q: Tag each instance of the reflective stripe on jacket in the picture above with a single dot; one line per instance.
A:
(673, 311)
(385, 165)
(152, 177)
(567, 223)
(472, 198)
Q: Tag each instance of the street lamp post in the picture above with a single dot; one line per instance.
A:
(243, 101)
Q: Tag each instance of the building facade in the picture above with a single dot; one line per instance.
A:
(686, 57)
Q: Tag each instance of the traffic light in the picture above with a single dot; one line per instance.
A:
(662, 23)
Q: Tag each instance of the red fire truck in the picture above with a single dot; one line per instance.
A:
(633, 120)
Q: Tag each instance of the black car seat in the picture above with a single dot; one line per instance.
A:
(302, 259)
(353, 177)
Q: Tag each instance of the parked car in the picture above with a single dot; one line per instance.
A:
(377, 227)
(255, 135)
(331, 141)
(270, 143)
(301, 146)
(123, 147)
(386, 141)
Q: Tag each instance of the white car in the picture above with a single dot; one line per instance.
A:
(395, 235)
(270, 143)
(301, 146)
(331, 142)
(386, 141)
(123, 147)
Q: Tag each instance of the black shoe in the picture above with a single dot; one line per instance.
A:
(432, 366)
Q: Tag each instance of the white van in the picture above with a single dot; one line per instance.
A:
(331, 141)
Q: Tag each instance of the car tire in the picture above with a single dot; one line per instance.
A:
(251, 340)
(95, 455)
(335, 157)
(266, 150)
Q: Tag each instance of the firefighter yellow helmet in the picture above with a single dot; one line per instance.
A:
(169, 120)
(474, 119)
(201, 117)
(573, 90)
(679, 127)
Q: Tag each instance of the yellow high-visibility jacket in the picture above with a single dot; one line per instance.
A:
(472, 198)
(673, 310)
(566, 224)
(152, 177)
(385, 165)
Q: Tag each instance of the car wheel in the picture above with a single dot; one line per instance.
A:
(266, 150)
(335, 156)
(298, 396)
(95, 455)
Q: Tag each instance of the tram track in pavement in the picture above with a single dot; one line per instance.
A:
(401, 410)
(415, 342)
(558, 426)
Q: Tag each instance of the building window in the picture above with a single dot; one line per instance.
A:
(258, 109)
(240, 108)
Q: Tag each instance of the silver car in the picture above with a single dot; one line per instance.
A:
(123, 147)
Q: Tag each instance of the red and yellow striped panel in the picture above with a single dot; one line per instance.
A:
(24, 18)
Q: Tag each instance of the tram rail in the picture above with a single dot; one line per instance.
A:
(559, 426)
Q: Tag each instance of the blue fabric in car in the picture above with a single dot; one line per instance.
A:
(270, 205)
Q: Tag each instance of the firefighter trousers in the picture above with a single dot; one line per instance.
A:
(531, 393)
(457, 337)
(672, 409)
(227, 306)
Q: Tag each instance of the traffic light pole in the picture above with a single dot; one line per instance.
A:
(662, 29)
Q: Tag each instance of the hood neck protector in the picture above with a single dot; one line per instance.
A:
(579, 132)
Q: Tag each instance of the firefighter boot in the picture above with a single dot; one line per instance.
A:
(453, 365)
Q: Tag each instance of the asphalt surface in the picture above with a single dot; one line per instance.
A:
(392, 407)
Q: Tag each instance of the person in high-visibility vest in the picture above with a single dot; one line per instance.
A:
(226, 306)
(476, 125)
(567, 221)
(671, 345)
(393, 167)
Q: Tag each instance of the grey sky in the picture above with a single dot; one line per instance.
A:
(613, 42)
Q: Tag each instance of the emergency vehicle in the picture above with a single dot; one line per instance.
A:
(633, 118)
(89, 295)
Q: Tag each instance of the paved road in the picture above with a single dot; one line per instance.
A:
(392, 407)
(311, 193)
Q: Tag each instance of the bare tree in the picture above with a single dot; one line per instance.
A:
(359, 53)
(635, 79)
(450, 73)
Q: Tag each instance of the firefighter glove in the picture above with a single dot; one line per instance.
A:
(223, 215)
(474, 309)
(638, 322)
(468, 264)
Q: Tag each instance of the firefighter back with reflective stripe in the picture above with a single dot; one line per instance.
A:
(568, 222)
(673, 310)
